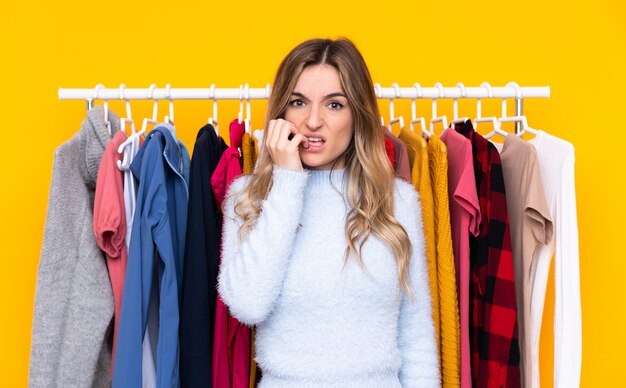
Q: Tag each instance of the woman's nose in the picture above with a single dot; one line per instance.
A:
(314, 119)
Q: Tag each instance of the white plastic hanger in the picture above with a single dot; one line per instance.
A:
(456, 119)
(129, 116)
(247, 125)
(124, 164)
(392, 118)
(494, 120)
(170, 118)
(96, 94)
(435, 118)
(414, 118)
(516, 119)
(379, 94)
(155, 108)
(240, 114)
(213, 117)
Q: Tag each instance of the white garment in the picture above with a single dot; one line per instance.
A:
(319, 324)
(556, 163)
(130, 202)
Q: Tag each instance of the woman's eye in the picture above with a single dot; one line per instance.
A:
(336, 105)
(296, 103)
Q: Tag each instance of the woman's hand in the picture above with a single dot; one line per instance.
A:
(283, 143)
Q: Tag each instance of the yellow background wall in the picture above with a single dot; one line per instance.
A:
(578, 48)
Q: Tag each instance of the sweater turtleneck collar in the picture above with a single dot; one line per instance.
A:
(96, 136)
(324, 177)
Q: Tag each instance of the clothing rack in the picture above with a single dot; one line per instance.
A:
(245, 93)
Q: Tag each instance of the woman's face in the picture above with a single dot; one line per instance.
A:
(319, 109)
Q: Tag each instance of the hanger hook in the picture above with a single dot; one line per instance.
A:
(418, 90)
(391, 104)
(455, 104)
(518, 96)
(240, 116)
(248, 114)
(396, 88)
(418, 87)
(439, 86)
(461, 88)
(155, 106)
(168, 96)
(96, 92)
(105, 103)
(378, 89)
(212, 96)
(122, 91)
(487, 86)
(518, 90)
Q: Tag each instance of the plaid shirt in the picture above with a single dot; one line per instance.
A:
(493, 308)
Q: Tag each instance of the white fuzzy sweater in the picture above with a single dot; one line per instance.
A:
(319, 325)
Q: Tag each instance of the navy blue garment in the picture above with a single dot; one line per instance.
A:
(157, 244)
(202, 256)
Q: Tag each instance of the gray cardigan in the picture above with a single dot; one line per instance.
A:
(72, 323)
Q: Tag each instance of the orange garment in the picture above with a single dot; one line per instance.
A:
(450, 336)
(248, 150)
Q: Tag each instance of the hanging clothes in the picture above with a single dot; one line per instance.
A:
(446, 274)
(390, 153)
(109, 223)
(401, 157)
(148, 366)
(531, 227)
(230, 164)
(202, 251)
(493, 323)
(465, 219)
(249, 153)
(556, 164)
(231, 348)
(74, 303)
(417, 151)
(249, 156)
(157, 247)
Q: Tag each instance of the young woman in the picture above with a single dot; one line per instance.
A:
(323, 247)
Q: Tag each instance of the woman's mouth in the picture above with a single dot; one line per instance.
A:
(315, 144)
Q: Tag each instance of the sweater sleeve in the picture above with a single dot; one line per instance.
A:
(252, 270)
(567, 308)
(416, 333)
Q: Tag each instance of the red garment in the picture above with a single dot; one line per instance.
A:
(390, 154)
(401, 162)
(231, 345)
(109, 223)
(230, 164)
(493, 319)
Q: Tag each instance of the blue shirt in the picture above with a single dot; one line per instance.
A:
(158, 237)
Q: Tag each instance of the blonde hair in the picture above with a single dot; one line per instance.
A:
(370, 183)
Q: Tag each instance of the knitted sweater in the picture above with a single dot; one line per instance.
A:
(71, 341)
(318, 325)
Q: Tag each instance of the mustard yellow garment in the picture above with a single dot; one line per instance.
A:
(450, 345)
(248, 151)
(418, 153)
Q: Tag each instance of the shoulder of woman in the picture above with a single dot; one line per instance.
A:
(239, 184)
(404, 192)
